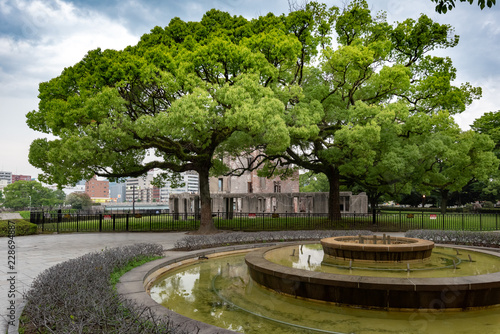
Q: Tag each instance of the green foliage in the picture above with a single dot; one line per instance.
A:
(382, 98)
(139, 260)
(309, 182)
(23, 227)
(25, 214)
(79, 201)
(489, 124)
(17, 195)
(176, 97)
(444, 5)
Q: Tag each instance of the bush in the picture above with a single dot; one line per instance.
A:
(193, 242)
(469, 238)
(77, 296)
(488, 205)
(22, 227)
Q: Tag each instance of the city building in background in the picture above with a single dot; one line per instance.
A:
(3, 184)
(141, 190)
(7, 176)
(16, 178)
(117, 192)
(98, 190)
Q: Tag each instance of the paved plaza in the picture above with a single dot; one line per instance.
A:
(35, 253)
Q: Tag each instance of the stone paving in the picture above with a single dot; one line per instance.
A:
(35, 253)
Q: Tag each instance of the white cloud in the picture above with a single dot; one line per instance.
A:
(63, 36)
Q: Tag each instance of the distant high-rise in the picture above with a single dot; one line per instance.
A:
(141, 190)
(6, 176)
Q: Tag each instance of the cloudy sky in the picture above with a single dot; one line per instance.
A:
(39, 38)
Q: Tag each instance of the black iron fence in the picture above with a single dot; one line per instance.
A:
(237, 221)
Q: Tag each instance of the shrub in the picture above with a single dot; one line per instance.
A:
(77, 296)
(193, 242)
(22, 227)
(470, 238)
(488, 205)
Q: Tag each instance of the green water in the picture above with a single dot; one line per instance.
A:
(220, 292)
(440, 264)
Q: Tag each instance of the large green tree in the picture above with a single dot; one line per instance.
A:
(489, 124)
(373, 81)
(173, 99)
(78, 200)
(21, 194)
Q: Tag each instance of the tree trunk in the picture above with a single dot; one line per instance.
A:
(373, 199)
(334, 213)
(444, 200)
(207, 225)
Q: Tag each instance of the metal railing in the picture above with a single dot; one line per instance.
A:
(263, 221)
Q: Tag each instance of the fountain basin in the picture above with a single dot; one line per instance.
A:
(377, 248)
(453, 293)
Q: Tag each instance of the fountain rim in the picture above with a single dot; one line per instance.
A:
(411, 245)
(465, 281)
(268, 274)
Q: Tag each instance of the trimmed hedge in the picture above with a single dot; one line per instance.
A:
(468, 238)
(194, 242)
(22, 227)
(77, 296)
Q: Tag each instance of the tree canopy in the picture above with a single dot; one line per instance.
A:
(170, 101)
(378, 86)
(22, 194)
(79, 201)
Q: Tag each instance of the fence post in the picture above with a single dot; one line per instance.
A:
(400, 221)
(77, 220)
(126, 222)
(43, 221)
(443, 222)
(114, 221)
(263, 220)
(422, 218)
(100, 222)
(463, 226)
(286, 219)
(496, 221)
(480, 222)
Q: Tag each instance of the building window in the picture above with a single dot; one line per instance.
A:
(277, 186)
(250, 187)
(221, 184)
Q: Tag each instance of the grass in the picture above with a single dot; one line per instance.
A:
(118, 272)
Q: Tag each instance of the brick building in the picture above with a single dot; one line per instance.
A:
(16, 178)
(97, 190)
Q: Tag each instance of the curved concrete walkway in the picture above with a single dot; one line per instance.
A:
(34, 254)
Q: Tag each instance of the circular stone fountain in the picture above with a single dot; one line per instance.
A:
(389, 292)
(378, 248)
(220, 291)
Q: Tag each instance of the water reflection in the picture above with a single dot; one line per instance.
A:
(220, 292)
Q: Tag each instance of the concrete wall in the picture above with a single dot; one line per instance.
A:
(293, 202)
